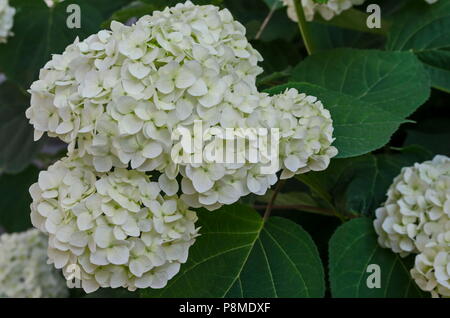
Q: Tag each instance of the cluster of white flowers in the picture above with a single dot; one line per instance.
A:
(24, 271)
(306, 131)
(417, 208)
(116, 227)
(119, 96)
(432, 268)
(416, 219)
(326, 10)
(6, 20)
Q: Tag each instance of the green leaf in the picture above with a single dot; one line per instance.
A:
(328, 36)
(359, 185)
(289, 198)
(423, 29)
(16, 134)
(320, 227)
(238, 255)
(15, 199)
(393, 81)
(288, 264)
(41, 31)
(360, 127)
(352, 249)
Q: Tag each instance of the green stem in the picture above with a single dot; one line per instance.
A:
(266, 21)
(272, 199)
(305, 208)
(304, 27)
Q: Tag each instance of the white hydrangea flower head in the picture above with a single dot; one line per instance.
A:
(116, 227)
(120, 95)
(134, 84)
(6, 20)
(306, 135)
(431, 270)
(417, 209)
(24, 272)
(306, 130)
(327, 10)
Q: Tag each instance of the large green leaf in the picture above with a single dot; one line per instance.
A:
(15, 199)
(328, 36)
(359, 185)
(424, 29)
(352, 249)
(240, 255)
(16, 134)
(394, 81)
(360, 126)
(41, 31)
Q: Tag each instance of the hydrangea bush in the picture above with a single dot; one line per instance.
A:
(120, 95)
(164, 148)
(24, 271)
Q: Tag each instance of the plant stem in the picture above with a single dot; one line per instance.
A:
(272, 199)
(304, 27)
(306, 208)
(266, 21)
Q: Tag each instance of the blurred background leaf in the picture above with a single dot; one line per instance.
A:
(15, 199)
(41, 31)
(16, 134)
